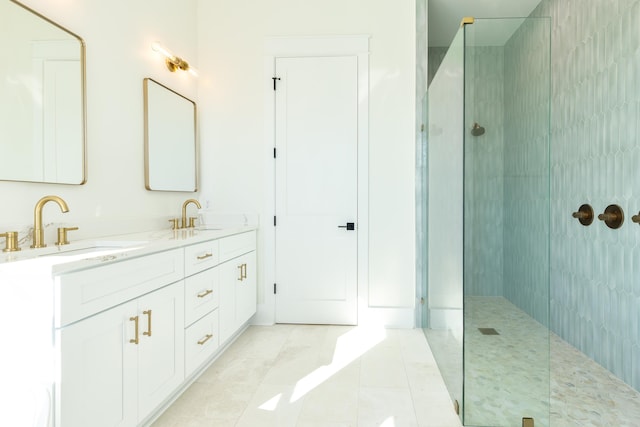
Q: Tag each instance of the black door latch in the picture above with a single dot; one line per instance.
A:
(349, 226)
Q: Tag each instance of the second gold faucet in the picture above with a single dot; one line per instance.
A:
(38, 230)
(184, 212)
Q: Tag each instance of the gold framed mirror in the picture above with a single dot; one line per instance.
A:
(42, 99)
(170, 145)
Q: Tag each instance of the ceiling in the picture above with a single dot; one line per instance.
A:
(445, 17)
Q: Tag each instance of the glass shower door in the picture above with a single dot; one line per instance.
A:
(487, 269)
(506, 222)
(444, 217)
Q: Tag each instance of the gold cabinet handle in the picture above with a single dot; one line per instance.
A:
(241, 276)
(136, 339)
(148, 313)
(244, 271)
(205, 293)
(205, 256)
(205, 339)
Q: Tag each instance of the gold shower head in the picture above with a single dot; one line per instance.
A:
(477, 130)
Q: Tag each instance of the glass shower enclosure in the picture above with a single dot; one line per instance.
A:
(487, 278)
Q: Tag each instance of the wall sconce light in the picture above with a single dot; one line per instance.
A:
(173, 62)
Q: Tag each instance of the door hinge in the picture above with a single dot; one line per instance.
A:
(274, 288)
(274, 82)
(274, 220)
(274, 152)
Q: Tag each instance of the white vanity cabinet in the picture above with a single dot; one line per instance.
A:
(119, 365)
(221, 299)
(237, 282)
(98, 371)
(202, 297)
(114, 337)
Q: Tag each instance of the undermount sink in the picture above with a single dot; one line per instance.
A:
(97, 248)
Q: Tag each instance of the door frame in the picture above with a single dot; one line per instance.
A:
(280, 47)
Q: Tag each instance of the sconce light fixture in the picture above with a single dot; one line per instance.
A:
(173, 62)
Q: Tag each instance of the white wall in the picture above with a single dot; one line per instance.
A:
(118, 35)
(227, 48)
(236, 153)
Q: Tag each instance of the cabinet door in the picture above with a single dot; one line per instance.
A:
(97, 371)
(229, 276)
(237, 293)
(161, 348)
(246, 289)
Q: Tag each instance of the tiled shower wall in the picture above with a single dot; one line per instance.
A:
(526, 168)
(483, 171)
(595, 159)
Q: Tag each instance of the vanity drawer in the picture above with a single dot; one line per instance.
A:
(200, 257)
(201, 294)
(83, 293)
(239, 244)
(201, 342)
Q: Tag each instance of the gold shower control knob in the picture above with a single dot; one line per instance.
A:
(584, 214)
(613, 216)
(636, 218)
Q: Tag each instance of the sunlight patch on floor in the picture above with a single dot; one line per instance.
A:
(271, 404)
(349, 347)
(389, 422)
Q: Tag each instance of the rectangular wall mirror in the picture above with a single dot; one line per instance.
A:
(170, 139)
(42, 99)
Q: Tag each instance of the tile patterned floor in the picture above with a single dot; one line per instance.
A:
(506, 375)
(333, 376)
(511, 375)
(318, 376)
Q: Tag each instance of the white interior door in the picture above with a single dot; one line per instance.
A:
(62, 123)
(316, 127)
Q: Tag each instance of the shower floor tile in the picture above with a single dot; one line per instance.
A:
(508, 375)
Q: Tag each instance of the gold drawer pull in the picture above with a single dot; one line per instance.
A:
(244, 271)
(135, 340)
(205, 293)
(148, 313)
(241, 275)
(205, 339)
(205, 256)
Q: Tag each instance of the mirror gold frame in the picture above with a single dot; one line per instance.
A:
(33, 142)
(170, 139)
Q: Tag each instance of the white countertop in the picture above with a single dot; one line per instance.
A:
(90, 253)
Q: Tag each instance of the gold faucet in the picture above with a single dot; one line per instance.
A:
(184, 210)
(38, 231)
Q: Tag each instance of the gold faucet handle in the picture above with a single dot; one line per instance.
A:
(62, 235)
(11, 244)
(175, 223)
(192, 221)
